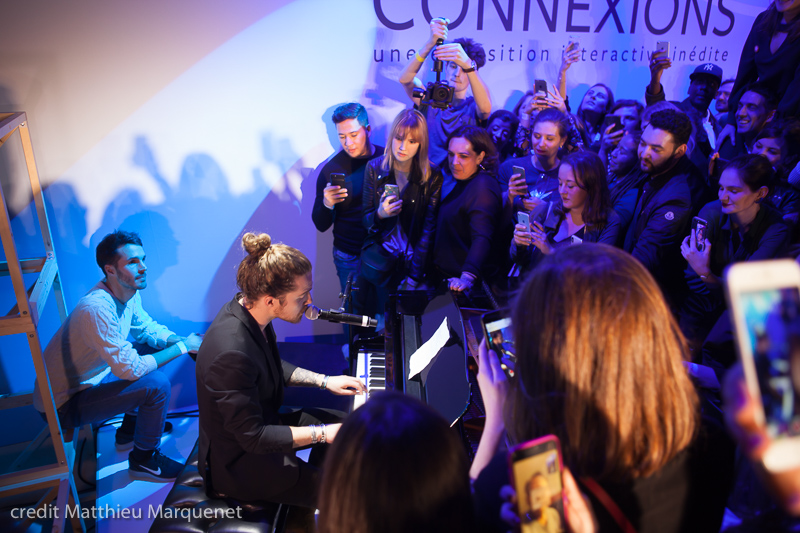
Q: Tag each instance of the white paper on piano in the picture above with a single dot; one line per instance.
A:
(422, 360)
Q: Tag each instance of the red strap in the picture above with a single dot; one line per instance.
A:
(610, 505)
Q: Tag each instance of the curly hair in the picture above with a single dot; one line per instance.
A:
(473, 50)
(676, 123)
(481, 141)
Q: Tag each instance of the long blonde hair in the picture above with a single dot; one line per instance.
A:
(599, 364)
(410, 123)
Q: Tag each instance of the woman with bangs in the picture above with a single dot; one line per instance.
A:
(581, 214)
(400, 228)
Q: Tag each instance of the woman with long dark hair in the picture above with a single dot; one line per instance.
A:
(596, 104)
(582, 213)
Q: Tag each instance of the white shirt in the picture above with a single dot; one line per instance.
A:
(93, 341)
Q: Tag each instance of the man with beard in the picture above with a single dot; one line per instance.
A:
(96, 373)
(704, 82)
(247, 438)
(674, 189)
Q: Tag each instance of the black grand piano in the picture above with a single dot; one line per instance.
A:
(412, 318)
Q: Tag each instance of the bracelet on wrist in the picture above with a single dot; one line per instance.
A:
(313, 434)
(182, 346)
(324, 435)
(324, 383)
(419, 57)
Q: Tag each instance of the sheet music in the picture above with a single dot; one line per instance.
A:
(422, 360)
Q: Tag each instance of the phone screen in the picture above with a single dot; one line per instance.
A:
(536, 468)
(772, 319)
(699, 226)
(500, 337)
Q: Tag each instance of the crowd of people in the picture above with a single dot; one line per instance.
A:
(608, 229)
(582, 221)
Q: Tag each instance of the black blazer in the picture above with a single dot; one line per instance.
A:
(244, 451)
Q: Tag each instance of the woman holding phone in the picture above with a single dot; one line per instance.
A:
(740, 227)
(400, 202)
(538, 179)
(582, 213)
(600, 365)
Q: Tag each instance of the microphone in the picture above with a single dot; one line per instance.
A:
(313, 313)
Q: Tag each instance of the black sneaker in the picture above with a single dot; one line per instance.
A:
(158, 467)
(124, 440)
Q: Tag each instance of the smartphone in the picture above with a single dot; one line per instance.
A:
(391, 190)
(500, 338)
(535, 469)
(337, 178)
(663, 46)
(574, 43)
(764, 298)
(524, 219)
(700, 227)
(575, 240)
(540, 86)
(612, 119)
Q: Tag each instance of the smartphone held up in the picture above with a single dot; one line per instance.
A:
(536, 472)
(764, 298)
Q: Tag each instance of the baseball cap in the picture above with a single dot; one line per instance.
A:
(707, 69)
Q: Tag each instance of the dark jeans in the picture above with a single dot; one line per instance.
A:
(149, 395)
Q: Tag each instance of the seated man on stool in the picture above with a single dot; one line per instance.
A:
(246, 443)
(95, 373)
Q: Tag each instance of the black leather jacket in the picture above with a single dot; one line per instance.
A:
(420, 206)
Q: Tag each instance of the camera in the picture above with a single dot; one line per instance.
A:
(438, 94)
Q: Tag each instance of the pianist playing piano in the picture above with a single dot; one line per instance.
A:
(247, 445)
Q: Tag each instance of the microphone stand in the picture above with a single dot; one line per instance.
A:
(346, 307)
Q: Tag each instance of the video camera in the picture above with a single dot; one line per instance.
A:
(437, 94)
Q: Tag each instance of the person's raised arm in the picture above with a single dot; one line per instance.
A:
(408, 78)
(659, 62)
(570, 55)
(455, 52)
(493, 385)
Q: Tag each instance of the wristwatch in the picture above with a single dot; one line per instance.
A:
(472, 67)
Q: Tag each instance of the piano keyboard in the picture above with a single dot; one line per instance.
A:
(371, 368)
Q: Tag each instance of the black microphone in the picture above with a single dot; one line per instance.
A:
(313, 313)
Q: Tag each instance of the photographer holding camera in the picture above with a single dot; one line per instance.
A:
(445, 103)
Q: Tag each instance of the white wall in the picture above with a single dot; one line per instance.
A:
(192, 121)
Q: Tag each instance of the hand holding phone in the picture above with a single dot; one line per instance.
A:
(391, 204)
(517, 186)
(612, 120)
(764, 298)
(500, 338)
(536, 472)
(335, 192)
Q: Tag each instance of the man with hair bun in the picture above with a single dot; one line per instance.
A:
(247, 441)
